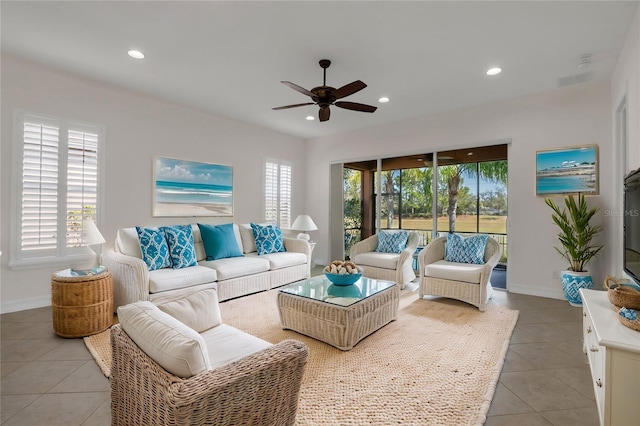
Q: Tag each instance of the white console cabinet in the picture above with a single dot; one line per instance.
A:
(613, 351)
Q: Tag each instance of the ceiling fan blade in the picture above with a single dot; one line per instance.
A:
(324, 113)
(356, 106)
(293, 106)
(298, 88)
(349, 89)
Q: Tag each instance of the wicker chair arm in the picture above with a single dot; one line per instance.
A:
(369, 244)
(433, 252)
(492, 253)
(130, 278)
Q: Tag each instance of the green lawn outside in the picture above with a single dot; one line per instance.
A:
(464, 223)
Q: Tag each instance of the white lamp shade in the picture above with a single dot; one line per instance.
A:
(90, 233)
(304, 223)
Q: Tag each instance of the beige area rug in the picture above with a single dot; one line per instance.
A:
(437, 364)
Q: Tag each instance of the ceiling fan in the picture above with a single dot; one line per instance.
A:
(325, 96)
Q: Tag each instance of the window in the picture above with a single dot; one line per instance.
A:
(58, 171)
(277, 193)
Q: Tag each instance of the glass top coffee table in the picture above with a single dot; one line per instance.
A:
(338, 315)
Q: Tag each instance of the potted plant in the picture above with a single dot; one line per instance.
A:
(576, 237)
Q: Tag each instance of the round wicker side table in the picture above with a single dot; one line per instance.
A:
(81, 305)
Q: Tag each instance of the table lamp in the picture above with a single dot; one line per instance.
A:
(91, 236)
(304, 223)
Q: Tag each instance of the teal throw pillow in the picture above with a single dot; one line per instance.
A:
(181, 247)
(268, 239)
(154, 248)
(392, 241)
(219, 241)
(465, 250)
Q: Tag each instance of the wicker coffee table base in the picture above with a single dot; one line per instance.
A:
(339, 326)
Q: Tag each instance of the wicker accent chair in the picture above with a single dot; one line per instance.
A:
(259, 389)
(386, 266)
(469, 283)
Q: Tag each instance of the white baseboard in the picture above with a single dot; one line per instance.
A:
(24, 304)
(535, 291)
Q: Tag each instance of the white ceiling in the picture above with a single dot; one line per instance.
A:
(229, 57)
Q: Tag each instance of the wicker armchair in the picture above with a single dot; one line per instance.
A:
(259, 389)
(386, 266)
(470, 283)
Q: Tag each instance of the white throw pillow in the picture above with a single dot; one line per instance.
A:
(248, 240)
(198, 310)
(174, 346)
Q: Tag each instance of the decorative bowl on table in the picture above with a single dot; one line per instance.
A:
(343, 273)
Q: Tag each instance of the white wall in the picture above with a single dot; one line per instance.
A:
(571, 116)
(625, 87)
(137, 128)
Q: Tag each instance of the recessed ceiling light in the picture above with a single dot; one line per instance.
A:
(470, 153)
(494, 71)
(310, 117)
(136, 54)
(383, 100)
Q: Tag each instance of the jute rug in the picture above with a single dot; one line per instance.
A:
(438, 364)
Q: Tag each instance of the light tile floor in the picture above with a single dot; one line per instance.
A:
(48, 380)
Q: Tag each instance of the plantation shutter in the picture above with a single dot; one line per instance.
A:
(39, 209)
(82, 183)
(285, 196)
(277, 199)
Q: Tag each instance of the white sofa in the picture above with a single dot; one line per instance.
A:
(232, 277)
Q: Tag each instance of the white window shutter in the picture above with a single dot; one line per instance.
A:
(39, 210)
(82, 183)
(277, 197)
(285, 196)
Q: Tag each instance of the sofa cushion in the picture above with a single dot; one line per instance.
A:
(199, 310)
(268, 238)
(181, 246)
(282, 260)
(219, 241)
(170, 279)
(154, 248)
(392, 241)
(169, 342)
(234, 267)
(248, 240)
(465, 250)
(226, 344)
(466, 272)
(127, 242)
(379, 260)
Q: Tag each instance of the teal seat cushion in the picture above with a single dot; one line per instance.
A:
(392, 241)
(465, 250)
(268, 239)
(219, 241)
(181, 246)
(154, 248)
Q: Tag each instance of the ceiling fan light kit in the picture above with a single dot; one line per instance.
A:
(324, 96)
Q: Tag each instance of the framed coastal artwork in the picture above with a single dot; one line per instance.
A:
(566, 171)
(191, 188)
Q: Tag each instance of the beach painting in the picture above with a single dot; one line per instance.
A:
(567, 171)
(191, 188)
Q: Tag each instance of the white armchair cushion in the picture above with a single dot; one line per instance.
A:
(177, 348)
(226, 344)
(379, 260)
(198, 310)
(445, 270)
(171, 279)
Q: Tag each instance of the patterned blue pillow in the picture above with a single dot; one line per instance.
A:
(154, 248)
(181, 247)
(465, 250)
(392, 241)
(268, 238)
